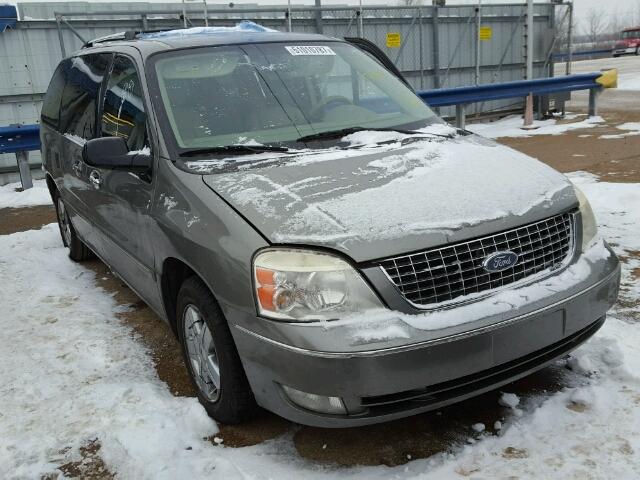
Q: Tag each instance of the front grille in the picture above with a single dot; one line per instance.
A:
(446, 273)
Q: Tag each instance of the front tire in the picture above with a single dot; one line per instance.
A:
(211, 357)
(78, 251)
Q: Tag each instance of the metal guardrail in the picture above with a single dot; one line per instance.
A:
(462, 96)
(21, 139)
(564, 56)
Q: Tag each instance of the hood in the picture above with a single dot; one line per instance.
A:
(378, 201)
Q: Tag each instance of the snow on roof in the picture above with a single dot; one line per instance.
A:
(244, 26)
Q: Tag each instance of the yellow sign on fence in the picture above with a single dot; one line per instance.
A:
(485, 33)
(394, 40)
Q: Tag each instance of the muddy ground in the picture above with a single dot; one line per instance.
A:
(614, 160)
(393, 443)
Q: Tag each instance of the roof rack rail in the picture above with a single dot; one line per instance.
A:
(126, 35)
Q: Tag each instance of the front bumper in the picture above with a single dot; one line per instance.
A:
(624, 51)
(398, 380)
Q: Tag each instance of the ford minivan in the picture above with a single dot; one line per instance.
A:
(321, 242)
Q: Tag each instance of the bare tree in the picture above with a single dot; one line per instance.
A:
(562, 30)
(616, 23)
(595, 24)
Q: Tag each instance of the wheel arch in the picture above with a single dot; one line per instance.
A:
(51, 185)
(174, 273)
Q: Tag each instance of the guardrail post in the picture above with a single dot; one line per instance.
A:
(461, 116)
(593, 101)
(25, 171)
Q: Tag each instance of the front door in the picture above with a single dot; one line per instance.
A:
(78, 118)
(123, 200)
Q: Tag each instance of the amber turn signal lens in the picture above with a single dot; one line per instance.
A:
(265, 286)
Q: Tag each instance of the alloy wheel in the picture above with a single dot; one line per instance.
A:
(202, 353)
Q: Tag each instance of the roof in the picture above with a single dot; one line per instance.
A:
(632, 29)
(242, 33)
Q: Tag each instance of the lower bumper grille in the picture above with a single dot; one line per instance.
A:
(444, 274)
(484, 380)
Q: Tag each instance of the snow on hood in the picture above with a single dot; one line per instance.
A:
(383, 200)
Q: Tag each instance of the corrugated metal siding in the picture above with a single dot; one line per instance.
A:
(30, 52)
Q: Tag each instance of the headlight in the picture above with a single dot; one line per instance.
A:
(589, 227)
(303, 285)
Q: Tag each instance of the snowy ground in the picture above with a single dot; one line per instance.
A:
(73, 373)
(511, 126)
(38, 195)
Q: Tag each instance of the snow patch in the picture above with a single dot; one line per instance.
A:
(478, 427)
(75, 138)
(510, 400)
(97, 382)
(143, 151)
(38, 195)
(511, 126)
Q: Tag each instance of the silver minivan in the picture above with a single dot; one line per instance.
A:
(322, 243)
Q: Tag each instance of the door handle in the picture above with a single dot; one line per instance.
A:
(94, 178)
(77, 166)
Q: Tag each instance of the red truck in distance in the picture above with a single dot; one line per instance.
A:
(629, 42)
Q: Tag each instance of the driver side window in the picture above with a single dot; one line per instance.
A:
(123, 112)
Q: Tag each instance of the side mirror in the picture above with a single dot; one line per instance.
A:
(113, 153)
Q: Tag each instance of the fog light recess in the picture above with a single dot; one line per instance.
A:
(315, 403)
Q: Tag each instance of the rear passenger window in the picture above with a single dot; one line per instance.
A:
(123, 112)
(78, 109)
(51, 103)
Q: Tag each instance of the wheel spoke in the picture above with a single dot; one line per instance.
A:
(214, 370)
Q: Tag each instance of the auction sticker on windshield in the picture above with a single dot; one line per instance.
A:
(310, 50)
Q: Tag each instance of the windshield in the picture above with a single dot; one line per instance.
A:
(631, 34)
(270, 94)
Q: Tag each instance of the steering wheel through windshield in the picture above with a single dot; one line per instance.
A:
(327, 104)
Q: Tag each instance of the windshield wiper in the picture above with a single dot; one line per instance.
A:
(343, 132)
(233, 150)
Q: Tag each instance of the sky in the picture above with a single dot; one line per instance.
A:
(627, 10)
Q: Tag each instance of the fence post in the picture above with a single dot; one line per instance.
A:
(569, 40)
(436, 46)
(25, 171)
(420, 49)
(60, 38)
(318, 16)
(478, 45)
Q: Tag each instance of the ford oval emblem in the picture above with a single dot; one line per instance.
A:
(499, 261)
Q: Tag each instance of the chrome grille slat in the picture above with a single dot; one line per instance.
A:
(446, 273)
